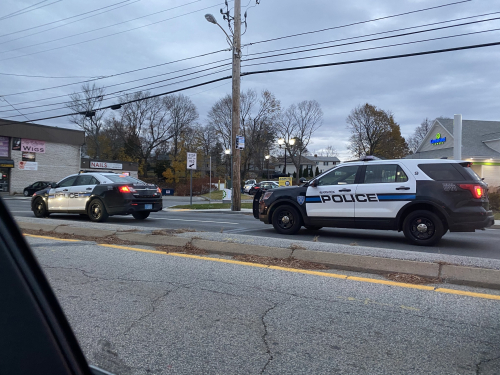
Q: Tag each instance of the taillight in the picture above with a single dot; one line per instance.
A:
(126, 189)
(476, 190)
(267, 195)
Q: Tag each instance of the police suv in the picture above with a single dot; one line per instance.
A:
(423, 198)
(98, 195)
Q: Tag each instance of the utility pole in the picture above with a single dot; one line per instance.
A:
(236, 106)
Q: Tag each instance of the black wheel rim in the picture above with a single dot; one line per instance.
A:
(39, 208)
(422, 228)
(286, 220)
(95, 210)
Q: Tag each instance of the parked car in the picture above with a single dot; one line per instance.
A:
(36, 186)
(264, 185)
(248, 185)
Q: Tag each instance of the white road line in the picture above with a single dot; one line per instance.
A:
(239, 230)
(20, 211)
(198, 221)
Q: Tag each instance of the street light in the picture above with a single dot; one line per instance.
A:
(282, 142)
(267, 158)
(235, 44)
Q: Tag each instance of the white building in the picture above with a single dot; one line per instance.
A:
(308, 162)
(480, 145)
(30, 153)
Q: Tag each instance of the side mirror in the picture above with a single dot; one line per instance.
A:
(314, 183)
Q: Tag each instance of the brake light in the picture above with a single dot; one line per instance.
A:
(126, 189)
(477, 191)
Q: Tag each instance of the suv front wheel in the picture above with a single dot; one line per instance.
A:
(423, 228)
(286, 220)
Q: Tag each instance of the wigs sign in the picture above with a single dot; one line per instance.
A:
(30, 145)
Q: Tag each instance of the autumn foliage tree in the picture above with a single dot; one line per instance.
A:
(375, 132)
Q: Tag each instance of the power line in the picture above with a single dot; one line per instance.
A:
(474, 46)
(30, 76)
(63, 19)
(325, 47)
(358, 23)
(122, 83)
(112, 75)
(15, 109)
(382, 38)
(27, 10)
(106, 36)
(368, 48)
(381, 33)
(67, 23)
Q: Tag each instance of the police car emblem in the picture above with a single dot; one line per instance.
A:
(301, 199)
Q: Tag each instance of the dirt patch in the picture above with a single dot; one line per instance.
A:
(281, 262)
(296, 247)
(187, 249)
(108, 240)
(412, 279)
(171, 232)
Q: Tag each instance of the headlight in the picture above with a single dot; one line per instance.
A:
(267, 195)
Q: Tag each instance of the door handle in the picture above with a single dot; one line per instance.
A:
(344, 190)
(89, 188)
(403, 188)
(65, 190)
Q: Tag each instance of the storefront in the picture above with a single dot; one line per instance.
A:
(480, 145)
(31, 152)
(126, 167)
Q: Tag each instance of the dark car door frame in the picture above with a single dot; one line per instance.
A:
(36, 336)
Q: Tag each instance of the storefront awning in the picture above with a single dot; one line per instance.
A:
(6, 163)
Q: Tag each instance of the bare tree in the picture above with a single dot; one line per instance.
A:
(144, 124)
(300, 122)
(418, 136)
(328, 151)
(90, 119)
(257, 125)
(183, 114)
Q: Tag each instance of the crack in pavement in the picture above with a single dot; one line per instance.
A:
(264, 339)
(153, 309)
(482, 362)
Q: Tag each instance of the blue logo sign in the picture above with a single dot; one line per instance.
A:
(438, 140)
(301, 199)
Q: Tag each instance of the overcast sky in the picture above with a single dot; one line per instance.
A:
(126, 35)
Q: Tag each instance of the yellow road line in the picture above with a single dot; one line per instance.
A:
(306, 272)
(52, 238)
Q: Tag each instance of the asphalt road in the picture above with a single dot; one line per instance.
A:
(146, 313)
(483, 244)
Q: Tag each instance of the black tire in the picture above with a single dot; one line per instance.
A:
(40, 209)
(97, 211)
(140, 215)
(286, 220)
(26, 193)
(312, 227)
(423, 228)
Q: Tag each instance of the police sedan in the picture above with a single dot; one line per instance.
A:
(98, 195)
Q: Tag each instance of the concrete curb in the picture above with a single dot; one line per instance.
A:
(450, 273)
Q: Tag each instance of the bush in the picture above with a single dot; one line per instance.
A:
(200, 186)
(494, 200)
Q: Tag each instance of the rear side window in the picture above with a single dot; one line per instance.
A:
(123, 179)
(383, 173)
(470, 173)
(442, 172)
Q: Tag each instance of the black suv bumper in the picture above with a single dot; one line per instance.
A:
(471, 222)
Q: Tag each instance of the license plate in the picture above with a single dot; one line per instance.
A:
(148, 206)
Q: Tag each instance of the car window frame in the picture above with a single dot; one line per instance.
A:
(67, 178)
(356, 177)
(398, 168)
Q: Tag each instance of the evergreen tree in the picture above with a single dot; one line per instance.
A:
(317, 171)
(300, 172)
(294, 175)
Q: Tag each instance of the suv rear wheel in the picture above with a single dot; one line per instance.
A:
(423, 228)
(286, 220)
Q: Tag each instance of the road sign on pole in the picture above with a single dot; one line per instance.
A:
(191, 160)
(240, 142)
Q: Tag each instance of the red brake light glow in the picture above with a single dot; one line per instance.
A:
(126, 189)
(477, 191)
